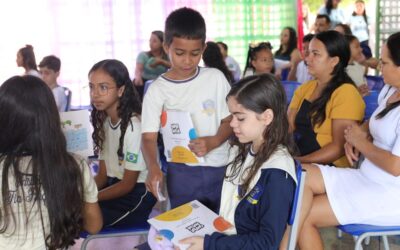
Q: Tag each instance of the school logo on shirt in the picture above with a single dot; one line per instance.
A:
(209, 107)
(255, 194)
(131, 157)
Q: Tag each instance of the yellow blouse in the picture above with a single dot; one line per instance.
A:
(345, 103)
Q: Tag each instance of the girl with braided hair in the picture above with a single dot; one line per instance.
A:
(123, 197)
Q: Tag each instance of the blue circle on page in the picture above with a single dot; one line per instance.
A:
(192, 134)
(167, 233)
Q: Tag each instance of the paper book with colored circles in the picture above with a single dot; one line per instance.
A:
(190, 219)
(177, 130)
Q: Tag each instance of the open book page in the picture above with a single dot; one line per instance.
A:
(190, 219)
(78, 132)
(177, 130)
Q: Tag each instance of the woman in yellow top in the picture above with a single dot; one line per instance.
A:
(322, 108)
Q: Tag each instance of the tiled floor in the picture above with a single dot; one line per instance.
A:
(329, 236)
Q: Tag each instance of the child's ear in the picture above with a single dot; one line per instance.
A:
(267, 116)
(121, 91)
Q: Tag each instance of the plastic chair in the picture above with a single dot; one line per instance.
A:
(375, 82)
(371, 103)
(362, 231)
(296, 208)
(114, 232)
(68, 95)
(290, 87)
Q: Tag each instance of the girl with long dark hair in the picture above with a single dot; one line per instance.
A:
(370, 194)
(321, 109)
(47, 195)
(123, 197)
(260, 180)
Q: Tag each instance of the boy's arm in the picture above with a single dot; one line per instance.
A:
(149, 150)
(202, 145)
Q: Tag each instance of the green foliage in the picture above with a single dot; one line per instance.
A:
(314, 5)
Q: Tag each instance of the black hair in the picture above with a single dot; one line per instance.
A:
(337, 46)
(328, 6)
(292, 43)
(307, 38)
(213, 58)
(28, 57)
(224, 45)
(33, 148)
(345, 27)
(259, 93)
(350, 38)
(364, 12)
(323, 16)
(393, 45)
(252, 55)
(185, 23)
(129, 103)
(51, 62)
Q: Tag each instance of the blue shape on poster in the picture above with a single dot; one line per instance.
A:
(167, 234)
(192, 134)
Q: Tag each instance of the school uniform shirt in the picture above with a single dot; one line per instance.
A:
(234, 67)
(345, 103)
(356, 72)
(302, 74)
(132, 158)
(202, 95)
(60, 97)
(260, 217)
(31, 236)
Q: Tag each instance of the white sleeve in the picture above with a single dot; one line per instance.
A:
(89, 185)
(223, 90)
(133, 158)
(151, 110)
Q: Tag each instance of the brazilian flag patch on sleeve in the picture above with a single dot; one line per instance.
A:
(131, 157)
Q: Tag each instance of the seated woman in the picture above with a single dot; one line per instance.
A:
(48, 195)
(374, 197)
(322, 108)
(150, 64)
(287, 52)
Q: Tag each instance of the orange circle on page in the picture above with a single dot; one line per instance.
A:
(163, 118)
(221, 224)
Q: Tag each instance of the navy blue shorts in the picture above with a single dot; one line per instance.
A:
(187, 183)
(139, 200)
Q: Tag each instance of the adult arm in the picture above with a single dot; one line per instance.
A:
(138, 74)
(389, 161)
(333, 150)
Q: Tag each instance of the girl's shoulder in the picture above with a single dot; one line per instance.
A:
(281, 159)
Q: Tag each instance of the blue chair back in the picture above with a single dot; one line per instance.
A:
(371, 103)
(375, 82)
(290, 87)
(296, 207)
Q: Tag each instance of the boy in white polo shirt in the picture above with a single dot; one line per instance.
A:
(201, 92)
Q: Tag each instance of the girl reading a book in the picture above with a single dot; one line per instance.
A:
(123, 197)
(260, 180)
